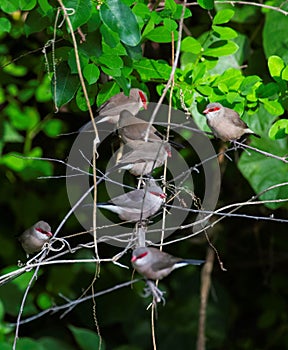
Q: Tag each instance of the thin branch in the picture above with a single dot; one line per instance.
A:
(55, 309)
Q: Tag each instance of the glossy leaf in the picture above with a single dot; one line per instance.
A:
(81, 14)
(91, 73)
(66, 85)
(279, 129)
(120, 19)
(206, 4)
(108, 90)
(189, 44)
(86, 339)
(222, 48)
(161, 35)
(223, 16)
(151, 69)
(276, 65)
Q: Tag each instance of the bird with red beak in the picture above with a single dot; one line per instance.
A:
(154, 264)
(143, 157)
(137, 205)
(34, 238)
(225, 123)
(131, 128)
(111, 109)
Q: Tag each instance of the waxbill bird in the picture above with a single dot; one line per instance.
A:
(110, 110)
(226, 123)
(138, 204)
(154, 264)
(131, 128)
(143, 157)
(33, 239)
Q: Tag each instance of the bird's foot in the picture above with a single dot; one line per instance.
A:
(152, 289)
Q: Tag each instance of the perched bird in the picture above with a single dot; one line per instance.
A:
(143, 157)
(33, 239)
(226, 123)
(154, 264)
(110, 110)
(138, 204)
(131, 128)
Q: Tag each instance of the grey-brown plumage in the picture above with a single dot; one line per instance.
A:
(143, 157)
(154, 264)
(131, 128)
(225, 123)
(110, 110)
(138, 204)
(33, 239)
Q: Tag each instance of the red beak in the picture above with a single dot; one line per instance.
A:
(206, 111)
(134, 258)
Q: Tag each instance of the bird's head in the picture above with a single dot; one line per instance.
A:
(212, 109)
(140, 256)
(42, 230)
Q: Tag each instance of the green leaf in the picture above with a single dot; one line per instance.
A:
(285, 73)
(267, 90)
(66, 85)
(273, 107)
(111, 61)
(35, 22)
(5, 25)
(45, 6)
(53, 127)
(72, 61)
(86, 339)
(279, 129)
(170, 24)
(275, 65)
(10, 134)
(80, 98)
(223, 16)
(91, 73)
(27, 5)
(108, 90)
(221, 48)
(151, 69)
(262, 172)
(110, 38)
(161, 35)
(82, 11)
(206, 4)
(249, 84)
(23, 120)
(190, 44)
(120, 19)
(275, 39)
(12, 161)
(225, 33)
(171, 5)
(44, 301)
(28, 344)
(10, 6)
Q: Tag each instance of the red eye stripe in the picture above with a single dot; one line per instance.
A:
(161, 195)
(143, 99)
(39, 229)
(134, 258)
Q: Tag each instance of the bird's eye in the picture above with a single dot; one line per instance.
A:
(214, 109)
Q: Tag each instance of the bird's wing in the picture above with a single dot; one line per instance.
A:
(131, 199)
(235, 118)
